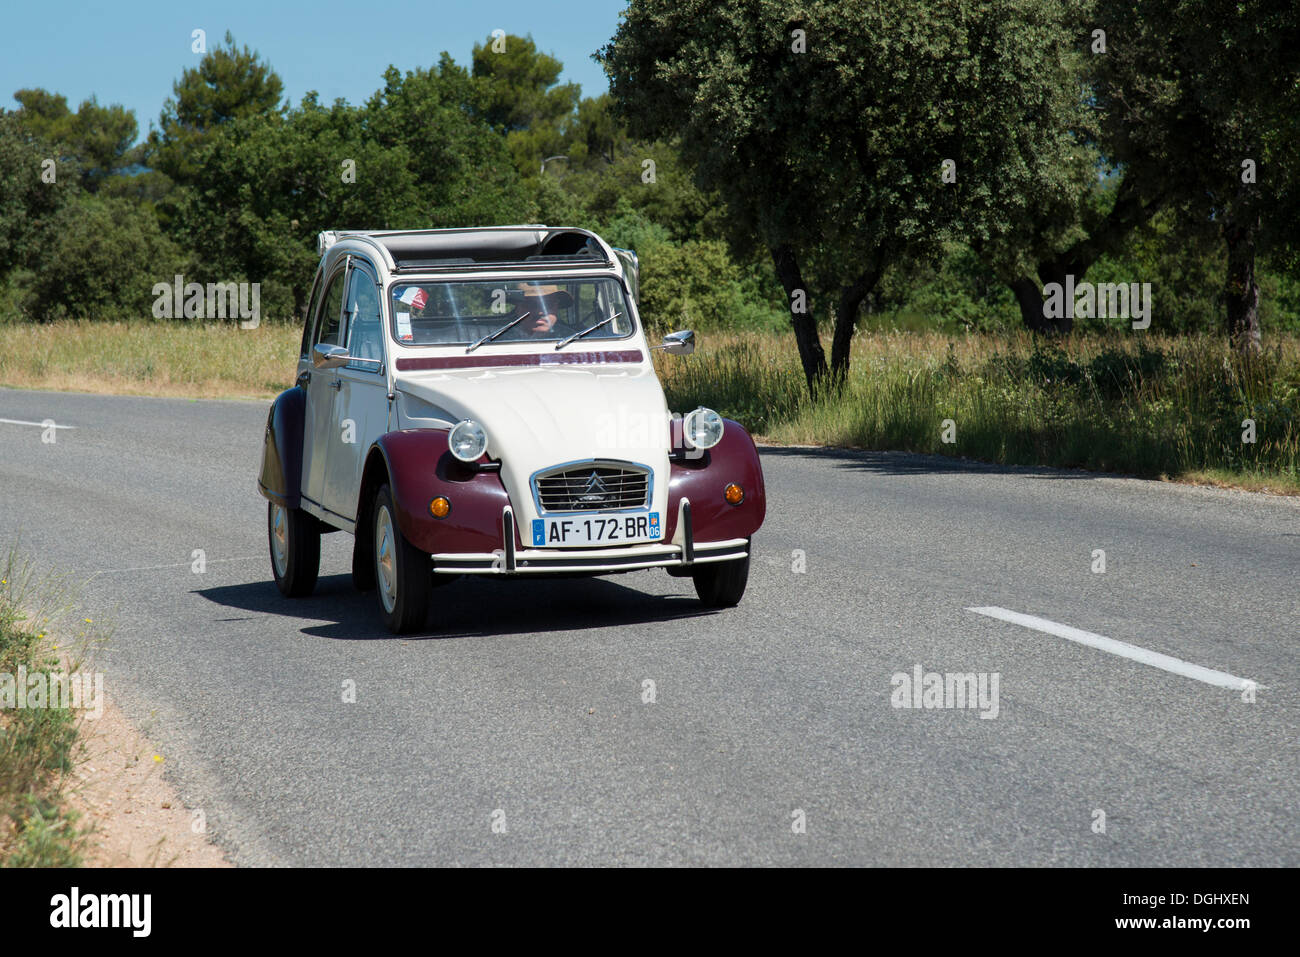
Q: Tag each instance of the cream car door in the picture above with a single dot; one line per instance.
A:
(321, 387)
(361, 402)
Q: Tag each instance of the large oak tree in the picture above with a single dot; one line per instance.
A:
(825, 127)
(1204, 96)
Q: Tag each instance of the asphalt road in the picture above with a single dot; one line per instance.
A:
(523, 705)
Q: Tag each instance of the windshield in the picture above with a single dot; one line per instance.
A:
(440, 313)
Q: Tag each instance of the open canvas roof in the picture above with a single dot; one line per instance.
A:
(413, 249)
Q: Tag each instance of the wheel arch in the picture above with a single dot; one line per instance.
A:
(420, 466)
(280, 479)
(375, 474)
(702, 479)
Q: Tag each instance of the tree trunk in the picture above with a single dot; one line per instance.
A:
(846, 318)
(1242, 292)
(1030, 301)
(1130, 211)
(1056, 271)
(799, 302)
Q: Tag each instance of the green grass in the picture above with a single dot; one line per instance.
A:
(37, 745)
(1153, 407)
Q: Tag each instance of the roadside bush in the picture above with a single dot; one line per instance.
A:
(1185, 267)
(956, 293)
(558, 207)
(99, 258)
(632, 229)
(696, 285)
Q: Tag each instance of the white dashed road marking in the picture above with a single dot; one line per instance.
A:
(39, 425)
(1123, 649)
(154, 568)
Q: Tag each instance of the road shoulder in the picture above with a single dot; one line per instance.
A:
(138, 819)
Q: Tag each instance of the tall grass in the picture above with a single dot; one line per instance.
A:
(174, 358)
(1148, 406)
(1135, 403)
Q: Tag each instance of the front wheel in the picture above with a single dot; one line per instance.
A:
(721, 584)
(295, 549)
(403, 573)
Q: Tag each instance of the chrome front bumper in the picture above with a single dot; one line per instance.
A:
(682, 551)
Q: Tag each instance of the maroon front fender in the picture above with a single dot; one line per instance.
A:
(420, 467)
(281, 476)
(702, 480)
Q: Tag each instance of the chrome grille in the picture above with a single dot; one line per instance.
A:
(592, 486)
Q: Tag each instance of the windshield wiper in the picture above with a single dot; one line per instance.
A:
(587, 331)
(504, 329)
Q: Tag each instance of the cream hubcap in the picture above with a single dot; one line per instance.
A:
(386, 559)
(280, 539)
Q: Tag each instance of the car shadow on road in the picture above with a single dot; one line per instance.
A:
(469, 607)
(916, 463)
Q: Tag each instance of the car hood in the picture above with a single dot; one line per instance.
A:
(539, 418)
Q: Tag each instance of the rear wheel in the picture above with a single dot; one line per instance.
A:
(403, 573)
(295, 549)
(721, 584)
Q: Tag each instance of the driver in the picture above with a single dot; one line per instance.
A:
(544, 305)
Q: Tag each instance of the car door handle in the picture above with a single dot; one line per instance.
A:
(336, 384)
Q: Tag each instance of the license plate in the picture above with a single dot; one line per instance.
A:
(617, 529)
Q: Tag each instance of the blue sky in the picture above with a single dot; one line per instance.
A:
(130, 52)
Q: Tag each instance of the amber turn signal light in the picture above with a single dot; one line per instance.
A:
(734, 494)
(439, 507)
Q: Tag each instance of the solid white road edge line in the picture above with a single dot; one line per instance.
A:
(39, 425)
(1155, 659)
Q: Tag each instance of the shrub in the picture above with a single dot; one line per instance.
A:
(99, 257)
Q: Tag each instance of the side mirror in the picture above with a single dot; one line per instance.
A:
(325, 356)
(679, 343)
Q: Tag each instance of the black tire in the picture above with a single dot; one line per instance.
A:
(363, 550)
(403, 573)
(722, 584)
(293, 537)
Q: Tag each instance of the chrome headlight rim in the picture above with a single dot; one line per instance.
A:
(705, 438)
(467, 429)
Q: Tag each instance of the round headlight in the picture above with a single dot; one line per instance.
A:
(703, 428)
(468, 440)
